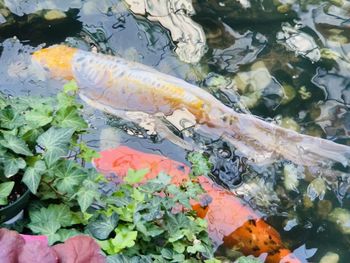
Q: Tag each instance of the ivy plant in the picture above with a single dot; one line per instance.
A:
(155, 220)
(152, 221)
(40, 145)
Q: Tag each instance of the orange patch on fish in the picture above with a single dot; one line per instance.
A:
(230, 221)
(57, 59)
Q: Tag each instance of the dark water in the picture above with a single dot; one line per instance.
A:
(298, 76)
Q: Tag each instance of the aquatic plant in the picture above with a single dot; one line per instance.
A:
(40, 145)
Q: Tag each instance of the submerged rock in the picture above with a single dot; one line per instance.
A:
(301, 43)
(324, 207)
(253, 84)
(317, 188)
(2, 19)
(21, 8)
(54, 15)
(291, 177)
(289, 123)
(330, 257)
(341, 217)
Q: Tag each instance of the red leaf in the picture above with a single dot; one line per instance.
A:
(10, 245)
(79, 249)
(36, 251)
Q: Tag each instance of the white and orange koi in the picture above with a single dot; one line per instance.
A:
(115, 86)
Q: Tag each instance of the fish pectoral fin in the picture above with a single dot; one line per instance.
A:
(255, 153)
(165, 132)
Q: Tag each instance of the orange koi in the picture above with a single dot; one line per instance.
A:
(115, 86)
(230, 221)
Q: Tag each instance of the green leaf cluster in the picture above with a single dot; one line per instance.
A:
(154, 219)
(200, 164)
(52, 222)
(40, 145)
(150, 222)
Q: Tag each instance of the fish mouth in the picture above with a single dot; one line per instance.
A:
(41, 71)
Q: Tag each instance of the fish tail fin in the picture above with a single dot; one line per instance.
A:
(286, 256)
(261, 140)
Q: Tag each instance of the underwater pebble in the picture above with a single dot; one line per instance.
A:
(217, 82)
(256, 79)
(314, 131)
(251, 84)
(330, 257)
(298, 41)
(2, 19)
(283, 8)
(317, 188)
(304, 94)
(324, 207)
(339, 40)
(289, 224)
(341, 217)
(315, 111)
(54, 15)
(291, 180)
(307, 202)
(289, 123)
(5, 12)
(288, 94)
(20, 7)
(327, 53)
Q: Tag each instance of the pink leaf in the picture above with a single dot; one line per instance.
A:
(37, 251)
(30, 238)
(10, 245)
(79, 249)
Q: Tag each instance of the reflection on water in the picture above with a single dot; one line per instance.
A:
(174, 15)
(301, 80)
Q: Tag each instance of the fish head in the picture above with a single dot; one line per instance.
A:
(56, 61)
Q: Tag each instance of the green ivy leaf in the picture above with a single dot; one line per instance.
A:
(5, 191)
(135, 176)
(86, 153)
(63, 215)
(47, 221)
(212, 260)
(69, 118)
(30, 136)
(103, 225)
(120, 258)
(49, 229)
(167, 253)
(67, 233)
(12, 165)
(70, 86)
(69, 175)
(124, 238)
(55, 141)
(39, 116)
(15, 144)
(32, 176)
(249, 259)
(85, 198)
(65, 100)
(200, 164)
(179, 247)
(9, 119)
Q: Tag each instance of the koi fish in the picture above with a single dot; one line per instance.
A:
(230, 221)
(115, 85)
